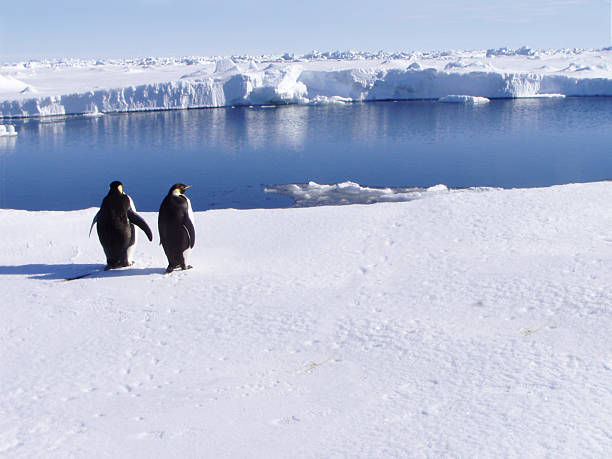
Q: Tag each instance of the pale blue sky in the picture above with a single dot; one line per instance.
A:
(133, 28)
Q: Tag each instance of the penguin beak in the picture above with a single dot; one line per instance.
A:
(187, 186)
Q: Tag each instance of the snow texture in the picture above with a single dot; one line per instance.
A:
(464, 324)
(70, 86)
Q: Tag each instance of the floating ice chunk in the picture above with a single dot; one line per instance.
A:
(7, 130)
(315, 194)
(93, 112)
(327, 100)
(547, 96)
(462, 99)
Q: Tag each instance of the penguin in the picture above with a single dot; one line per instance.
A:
(115, 224)
(176, 229)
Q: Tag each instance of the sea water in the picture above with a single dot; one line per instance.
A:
(229, 155)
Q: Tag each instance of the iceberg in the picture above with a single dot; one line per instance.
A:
(72, 86)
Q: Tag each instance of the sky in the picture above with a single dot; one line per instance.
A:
(35, 29)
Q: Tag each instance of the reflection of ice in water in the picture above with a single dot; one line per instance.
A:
(231, 129)
(8, 139)
(279, 126)
(51, 130)
(7, 146)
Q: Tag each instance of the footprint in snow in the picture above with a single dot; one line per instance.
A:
(285, 421)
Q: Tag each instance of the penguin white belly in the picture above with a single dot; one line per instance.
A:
(186, 254)
(187, 251)
(190, 211)
(132, 248)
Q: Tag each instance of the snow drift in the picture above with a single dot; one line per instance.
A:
(78, 87)
(460, 325)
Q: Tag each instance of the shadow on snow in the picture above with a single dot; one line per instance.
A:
(73, 271)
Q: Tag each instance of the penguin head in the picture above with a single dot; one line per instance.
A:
(116, 187)
(178, 189)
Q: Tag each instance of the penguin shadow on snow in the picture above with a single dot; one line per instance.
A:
(74, 271)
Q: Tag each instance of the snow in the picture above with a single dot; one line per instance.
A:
(73, 86)
(461, 324)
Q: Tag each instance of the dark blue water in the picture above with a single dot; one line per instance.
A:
(228, 155)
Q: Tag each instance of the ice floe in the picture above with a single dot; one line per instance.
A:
(315, 194)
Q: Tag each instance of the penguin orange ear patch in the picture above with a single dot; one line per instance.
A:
(120, 188)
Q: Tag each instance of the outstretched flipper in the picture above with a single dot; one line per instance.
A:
(137, 220)
(188, 224)
(95, 220)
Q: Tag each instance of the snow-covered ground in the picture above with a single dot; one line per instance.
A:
(471, 323)
(70, 86)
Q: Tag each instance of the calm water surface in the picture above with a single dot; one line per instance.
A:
(228, 155)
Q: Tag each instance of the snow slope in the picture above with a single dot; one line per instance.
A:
(464, 324)
(81, 86)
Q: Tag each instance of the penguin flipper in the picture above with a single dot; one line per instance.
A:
(95, 219)
(137, 220)
(188, 224)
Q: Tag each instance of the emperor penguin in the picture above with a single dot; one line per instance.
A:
(115, 224)
(176, 229)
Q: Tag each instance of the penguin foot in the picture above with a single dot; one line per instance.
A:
(118, 264)
(171, 268)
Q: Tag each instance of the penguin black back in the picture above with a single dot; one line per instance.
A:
(176, 227)
(115, 226)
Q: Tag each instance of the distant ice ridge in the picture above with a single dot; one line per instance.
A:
(106, 86)
(315, 194)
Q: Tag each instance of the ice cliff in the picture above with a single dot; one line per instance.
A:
(78, 87)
